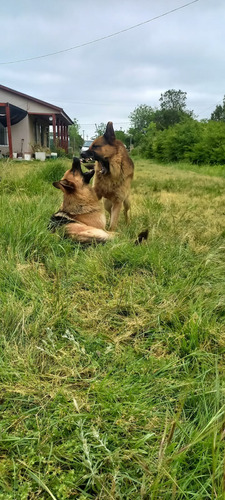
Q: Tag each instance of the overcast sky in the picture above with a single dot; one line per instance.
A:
(106, 80)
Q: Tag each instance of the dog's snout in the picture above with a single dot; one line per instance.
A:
(86, 154)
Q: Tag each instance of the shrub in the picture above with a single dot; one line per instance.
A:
(190, 140)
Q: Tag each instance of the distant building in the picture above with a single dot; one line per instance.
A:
(25, 122)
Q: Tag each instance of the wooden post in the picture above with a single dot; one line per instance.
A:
(54, 128)
(8, 122)
(63, 136)
(67, 138)
(60, 133)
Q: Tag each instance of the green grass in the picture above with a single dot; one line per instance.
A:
(112, 356)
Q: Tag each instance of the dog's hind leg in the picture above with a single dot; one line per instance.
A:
(126, 206)
(115, 212)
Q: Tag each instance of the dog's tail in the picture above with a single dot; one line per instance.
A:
(143, 236)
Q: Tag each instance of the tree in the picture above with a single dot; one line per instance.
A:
(172, 109)
(141, 117)
(218, 114)
(76, 140)
(99, 130)
(165, 118)
(173, 99)
(123, 137)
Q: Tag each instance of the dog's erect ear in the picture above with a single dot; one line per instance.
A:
(65, 185)
(87, 176)
(76, 167)
(109, 134)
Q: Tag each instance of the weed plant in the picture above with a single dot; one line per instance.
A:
(112, 356)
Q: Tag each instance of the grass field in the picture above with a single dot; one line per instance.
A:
(112, 372)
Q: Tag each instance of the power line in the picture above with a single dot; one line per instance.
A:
(209, 107)
(102, 38)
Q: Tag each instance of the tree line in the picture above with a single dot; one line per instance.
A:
(171, 132)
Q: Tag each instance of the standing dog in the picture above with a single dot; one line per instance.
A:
(81, 211)
(114, 172)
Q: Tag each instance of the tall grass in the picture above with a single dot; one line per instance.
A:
(112, 356)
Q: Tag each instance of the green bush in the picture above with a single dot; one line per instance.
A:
(211, 148)
(190, 140)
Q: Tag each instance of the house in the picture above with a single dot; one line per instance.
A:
(25, 122)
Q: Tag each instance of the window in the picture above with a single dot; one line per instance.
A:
(3, 135)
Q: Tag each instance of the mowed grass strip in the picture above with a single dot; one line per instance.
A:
(112, 356)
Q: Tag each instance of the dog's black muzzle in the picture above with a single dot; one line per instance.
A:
(87, 155)
(87, 158)
(92, 155)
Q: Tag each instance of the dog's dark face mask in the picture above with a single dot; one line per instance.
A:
(94, 155)
(74, 178)
(101, 150)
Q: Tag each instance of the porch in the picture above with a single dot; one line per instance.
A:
(27, 123)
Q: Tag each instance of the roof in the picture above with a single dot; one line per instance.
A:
(57, 109)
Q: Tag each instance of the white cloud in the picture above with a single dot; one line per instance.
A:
(106, 80)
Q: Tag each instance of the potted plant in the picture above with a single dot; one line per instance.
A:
(40, 152)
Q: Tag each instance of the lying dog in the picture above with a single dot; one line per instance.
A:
(81, 212)
(114, 171)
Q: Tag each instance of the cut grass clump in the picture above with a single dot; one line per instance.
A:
(112, 356)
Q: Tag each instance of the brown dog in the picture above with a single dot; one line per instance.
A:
(81, 212)
(114, 171)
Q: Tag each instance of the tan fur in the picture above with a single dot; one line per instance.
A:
(114, 171)
(81, 204)
(87, 234)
